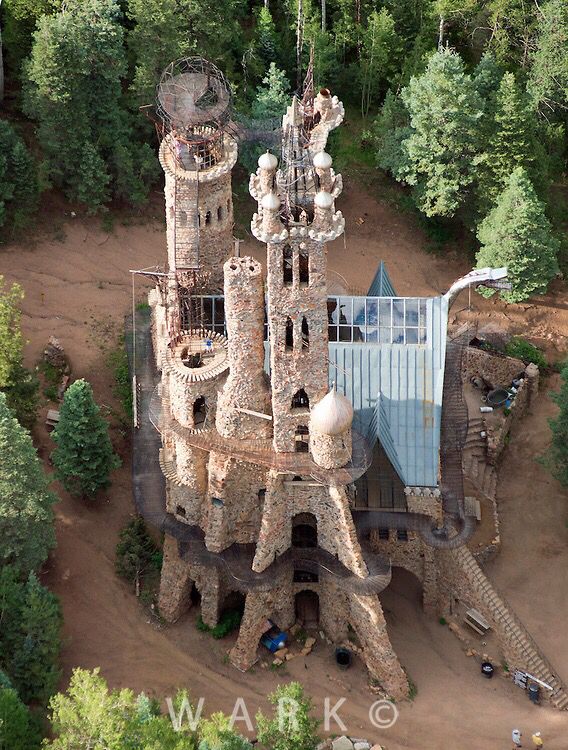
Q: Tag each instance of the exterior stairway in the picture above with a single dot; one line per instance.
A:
(518, 645)
(475, 466)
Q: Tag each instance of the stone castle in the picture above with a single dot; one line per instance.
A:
(309, 442)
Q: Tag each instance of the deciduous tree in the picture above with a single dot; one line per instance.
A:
(84, 457)
(292, 727)
(548, 77)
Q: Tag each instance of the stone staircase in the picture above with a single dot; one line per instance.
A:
(475, 466)
(513, 635)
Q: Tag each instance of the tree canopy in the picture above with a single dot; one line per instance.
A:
(84, 457)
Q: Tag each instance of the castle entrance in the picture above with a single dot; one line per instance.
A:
(307, 608)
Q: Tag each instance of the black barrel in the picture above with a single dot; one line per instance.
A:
(487, 669)
(343, 657)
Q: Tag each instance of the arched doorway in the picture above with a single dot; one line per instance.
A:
(199, 411)
(307, 608)
(305, 531)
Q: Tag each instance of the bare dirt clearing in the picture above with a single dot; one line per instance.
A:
(79, 290)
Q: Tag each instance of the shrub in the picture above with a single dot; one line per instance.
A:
(522, 349)
(228, 622)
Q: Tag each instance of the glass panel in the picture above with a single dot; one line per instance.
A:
(422, 335)
(422, 312)
(412, 335)
(398, 312)
(219, 310)
(359, 312)
(398, 335)
(345, 310)
(385, 335)
(332, 333)
(345, 333)
(385, 313)
(372, 312)
(358, 333)
(372, 334)
(411, 312)
(207, 311)
(332, 310)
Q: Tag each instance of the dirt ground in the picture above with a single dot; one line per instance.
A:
(78, 288)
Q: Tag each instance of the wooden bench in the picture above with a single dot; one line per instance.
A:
(476, 621)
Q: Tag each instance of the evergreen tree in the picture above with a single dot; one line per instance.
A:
(75, 76)
(518, 235)
(445, 111)
(18, 179)
(557, 456)
(34, 666)
(17, 731)
(19, 18)
(11, 340)
(273, 97)
(29, 637)
(292, 728)
(512, 143)
(487, 78)
(266, 39)
(548, 78)
(136, 552)
(388, 132)
(513, 26)
(26, 517)
(83, 458)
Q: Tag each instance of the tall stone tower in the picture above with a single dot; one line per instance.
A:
(257, 469)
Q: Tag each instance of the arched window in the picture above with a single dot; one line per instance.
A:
(199, 411)
(182, 218)
(304, 267)
(287, 265)
(220, 213)
(208, 217)
(305, 531)
(302, 439)
(305, 334)
(289, 334)
(300, 400)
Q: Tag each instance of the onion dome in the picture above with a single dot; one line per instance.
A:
(332, 415)
(322, 160)
(270, 202)
(323, 199)
(267, 161)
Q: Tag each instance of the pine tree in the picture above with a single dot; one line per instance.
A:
(16, 727)
(136, 552)
(557, 456)
(517, 234)
(548, 78)
(442, 147)
(273, 97)
(388, 132)
(29, 637)
(512, 143)
(266, 40)
(486, 79)
(83, 458)
(18, 179)
(293, 728)
(26, 517)
(34, 668)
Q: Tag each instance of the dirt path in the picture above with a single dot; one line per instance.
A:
(79, 290)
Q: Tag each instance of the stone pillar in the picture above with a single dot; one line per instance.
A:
(175, 583)
(258, 608)
(246, 386)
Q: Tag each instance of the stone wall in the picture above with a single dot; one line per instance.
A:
(497, 370)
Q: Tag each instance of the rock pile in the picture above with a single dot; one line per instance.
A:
(348, 743)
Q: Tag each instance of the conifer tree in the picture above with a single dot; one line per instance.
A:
(442, 147)
(517, 234)
(11, 340)
(388, 132)
(18, 179)
(548, 78)
(29, 637)
(512, 141)
(266, 40)
(16, 728)
(273, 96)
(557, 456)
(26, 516)
(136, 552)
(83, 458)
(380, 48)
(34, 666)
